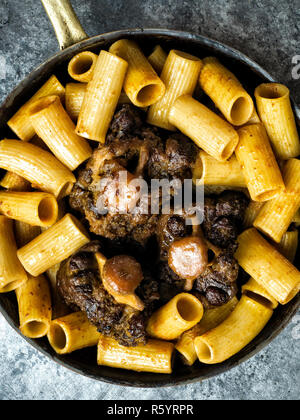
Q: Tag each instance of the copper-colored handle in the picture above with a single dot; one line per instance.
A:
(65, 22)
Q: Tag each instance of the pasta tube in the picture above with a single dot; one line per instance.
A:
(296, 218)
(72, 332)
(182, 313)
(34, 208)
(12, 274)
(254, 118)
(289, 244)
(275, 110)
(34, 302)
(53, 246)
(142, 85)
(209, 131)
(20, 123)
(267, 266)
(276, 216)
(210, 171)
(180, 76)
(246, 321)
(59, 307)
(255, 291)
(226, 92)
(37, 166)
(101, 97)
(54, 126)
(155, 356)
(82, 66)
(258, 162)
(211, 319)
(158, 58)
(74, 98)
(251, 213)
(25, 233)
(15, 182)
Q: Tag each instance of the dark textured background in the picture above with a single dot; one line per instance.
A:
(266, 30)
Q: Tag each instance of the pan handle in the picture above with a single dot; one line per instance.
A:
(65, 22)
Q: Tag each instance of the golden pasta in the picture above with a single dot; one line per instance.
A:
(226, 92)
(246, 321)
(155, 356)
(211, 319)
(251, 213)
(275, 110)
(71, 333)
(260, 168)
(276, 216)
(142, 85)
(210, 132)
(20, 123)
(254, 290)
(34, 302)
(180, 75)
(12, 274)
(15, 182)
(267, 266)
(34, 208)
(82, 66)
(25, 233)
(210, 171)
(54, 126)
(182, 313)
(158, 58)
(289, 244)
(101, 97)
(37, 166)
(74, 98)
(53, 246)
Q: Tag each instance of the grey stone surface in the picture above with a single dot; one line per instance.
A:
(266, 30)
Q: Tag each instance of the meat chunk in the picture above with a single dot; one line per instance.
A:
(169, 283)
(173, 159)
(223, 216)
(80, 285)
(169, 229)
(218, 282)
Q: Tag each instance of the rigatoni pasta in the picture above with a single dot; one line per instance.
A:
(211, 319)
(267, 266)
(158, 58)
(180, 75)
(251, 213)
(82, 66)
(14, 182)
(210, 171)
(182, 313)
(276, 216)
(53, 246)
(37, 166)
(142, 84)
(25, 233)
(289, 244)
(275, 110)
(71, 333)
(226, 92)
(258, 162)
(34, 303)
(54, 126)
(210, 132)
(20, 123)
(12, 274)
(155, 356)
(74, 98)
(101, 97)
(34, 208)
(246, 321)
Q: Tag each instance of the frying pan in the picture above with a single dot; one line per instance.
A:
(73, 39)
